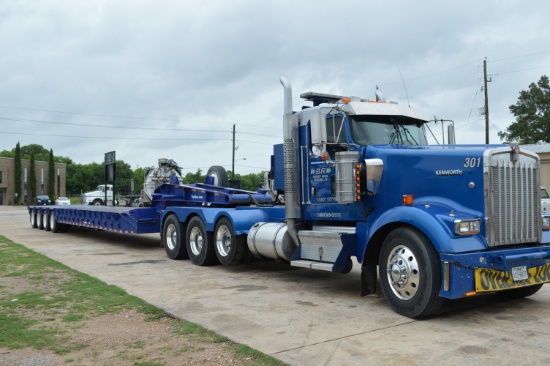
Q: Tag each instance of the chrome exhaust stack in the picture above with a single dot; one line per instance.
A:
(291, 162)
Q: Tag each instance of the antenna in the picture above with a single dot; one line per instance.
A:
(404, 86)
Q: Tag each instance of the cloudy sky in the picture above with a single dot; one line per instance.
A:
(169, 79)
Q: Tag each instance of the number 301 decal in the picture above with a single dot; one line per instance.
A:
(472, 162)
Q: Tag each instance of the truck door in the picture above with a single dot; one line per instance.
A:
(321, 174)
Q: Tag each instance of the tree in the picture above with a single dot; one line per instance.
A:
(84, 177)
(532, 112)
(139, 176)
(17, 173)
(123, 178)
(251, 182)
(32, 176)
(51, 177)
(194, 177)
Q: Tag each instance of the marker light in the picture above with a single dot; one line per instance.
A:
(345, 100)
(467, 227)
(358, 181)
(325, 156)
(408, 199)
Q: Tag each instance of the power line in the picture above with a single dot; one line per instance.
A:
(127, 117)
(526, 55)
(113, 137)
(126, 127)
(128, 138)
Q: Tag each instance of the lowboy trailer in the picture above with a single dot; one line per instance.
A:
(359, 179)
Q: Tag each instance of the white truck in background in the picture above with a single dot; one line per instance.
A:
(97, 197)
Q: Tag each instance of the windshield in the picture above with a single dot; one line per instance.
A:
(376, 130)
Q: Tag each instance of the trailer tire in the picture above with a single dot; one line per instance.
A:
(199, 243)
(519, 293)
(173, 239)
(55, 227)
(40, 216)
(32, 219)
(230, 248)
(410, 273)
(220, 175)
(47, 226)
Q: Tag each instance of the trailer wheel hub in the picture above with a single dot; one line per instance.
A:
(171, 236)
(223, 240)
(196, 241)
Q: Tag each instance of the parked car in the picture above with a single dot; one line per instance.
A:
(63, 201)
(41, 200)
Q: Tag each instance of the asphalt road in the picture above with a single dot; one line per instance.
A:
(300, 316)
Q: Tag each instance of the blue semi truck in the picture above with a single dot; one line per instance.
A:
(356, 178)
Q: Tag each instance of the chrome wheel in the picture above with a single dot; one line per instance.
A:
(223, 240)
(196, 240)
(403, 272)
(171, 236)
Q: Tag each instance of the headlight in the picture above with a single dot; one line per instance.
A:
(546, 222)
(467, 227)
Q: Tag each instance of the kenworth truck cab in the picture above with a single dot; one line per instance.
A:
(450, 221)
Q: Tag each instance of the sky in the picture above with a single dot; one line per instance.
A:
(170, 79)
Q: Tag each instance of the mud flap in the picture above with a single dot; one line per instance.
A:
(368, 279)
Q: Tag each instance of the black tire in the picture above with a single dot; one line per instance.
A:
(172, 238)
(55, 227)
(410, 273)
(520, 292)
(200, 246)
(47, 226)
(32, 218)
(230, 249)
(41, 218)
(97, 202)
(220, 175)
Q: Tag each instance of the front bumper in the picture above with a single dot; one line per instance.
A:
(493, 270)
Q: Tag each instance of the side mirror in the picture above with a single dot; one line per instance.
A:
(318, 133)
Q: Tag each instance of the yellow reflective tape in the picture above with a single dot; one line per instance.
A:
(488, 280)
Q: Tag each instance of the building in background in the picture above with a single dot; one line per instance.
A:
(543, 151)
(7, 188)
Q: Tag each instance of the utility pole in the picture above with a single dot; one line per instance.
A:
(233, 160)
(486, 101)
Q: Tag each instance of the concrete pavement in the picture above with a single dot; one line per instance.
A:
(300, 316)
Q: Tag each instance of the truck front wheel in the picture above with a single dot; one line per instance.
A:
(410, 273)
(172, 238)
(199, 243)
(97, 202)
(230, 249)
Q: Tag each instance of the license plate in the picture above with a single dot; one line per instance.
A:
(520, 273)
(490, 280)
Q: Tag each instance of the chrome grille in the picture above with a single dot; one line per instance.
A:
(513, 204)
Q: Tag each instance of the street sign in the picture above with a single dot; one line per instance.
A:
(110, 158)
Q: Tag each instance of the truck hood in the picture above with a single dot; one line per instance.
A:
(450, 174)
